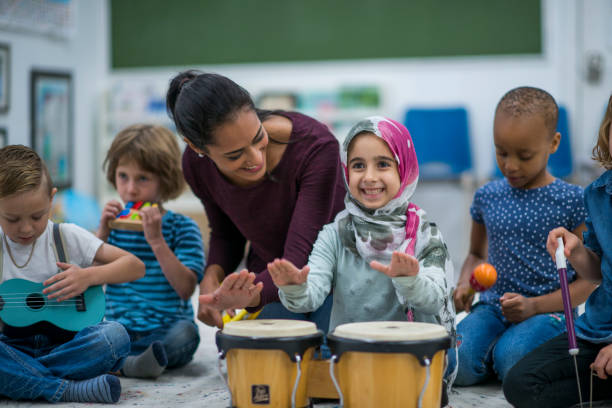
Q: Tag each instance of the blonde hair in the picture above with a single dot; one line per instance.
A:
(155, 149)
(601, 151)
(22, 170)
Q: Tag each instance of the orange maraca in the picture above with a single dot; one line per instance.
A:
(483, 277)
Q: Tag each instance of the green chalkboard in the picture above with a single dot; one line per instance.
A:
(149, 33)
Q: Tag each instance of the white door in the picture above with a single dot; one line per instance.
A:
(594, 82)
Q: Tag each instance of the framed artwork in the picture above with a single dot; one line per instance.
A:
(3, 137)
(5, 71)
(51, 122)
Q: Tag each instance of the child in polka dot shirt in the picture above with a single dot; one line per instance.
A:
(511, 219)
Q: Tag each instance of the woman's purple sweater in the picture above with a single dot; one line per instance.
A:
(281, 216)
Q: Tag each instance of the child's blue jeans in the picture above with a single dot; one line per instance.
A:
(34, 367)
(180, 341)
(487, 342)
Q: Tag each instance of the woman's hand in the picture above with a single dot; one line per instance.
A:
(401, 264)
(207, 314)
(284, 273)
(67, 284)
(236, 292)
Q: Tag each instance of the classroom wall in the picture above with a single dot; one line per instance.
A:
(474, 82)
(85, 55)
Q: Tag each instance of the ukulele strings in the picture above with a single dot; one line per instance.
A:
(13, 294)
(46, 304)
(25, 297)
(22, 300)
(17, 300)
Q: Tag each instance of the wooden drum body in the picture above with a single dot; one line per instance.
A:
(267, 361)
(389, 364)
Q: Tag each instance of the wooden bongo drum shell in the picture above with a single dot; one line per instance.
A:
(383, 364)
(261, 360)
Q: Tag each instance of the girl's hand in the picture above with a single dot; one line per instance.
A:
(109, 212)
(570, 242)
(401, 264)
(152, 224)
(463, 297)
(603, 362)
(285, 273)
(517, 308)
(236, 292)
(67, 284)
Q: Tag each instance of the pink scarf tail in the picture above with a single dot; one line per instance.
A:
(412, 224)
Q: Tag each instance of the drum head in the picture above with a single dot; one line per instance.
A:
(270, 328)
(390, 331)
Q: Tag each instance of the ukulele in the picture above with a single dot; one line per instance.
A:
(22, 303)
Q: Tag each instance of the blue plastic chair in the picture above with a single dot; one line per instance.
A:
(442, 143)
(560, 163)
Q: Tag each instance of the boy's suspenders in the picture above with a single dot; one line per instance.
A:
(60, 254)
(58, 247)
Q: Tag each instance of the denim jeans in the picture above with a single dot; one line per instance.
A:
(35, 367)
(488, 343)
(180, 341)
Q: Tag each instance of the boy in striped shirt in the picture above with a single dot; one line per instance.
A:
(144, 164)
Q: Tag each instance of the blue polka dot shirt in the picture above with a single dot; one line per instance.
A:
(517, 222)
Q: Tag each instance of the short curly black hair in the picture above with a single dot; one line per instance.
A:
(526, 100)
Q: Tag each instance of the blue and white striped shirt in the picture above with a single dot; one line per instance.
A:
(150, 302)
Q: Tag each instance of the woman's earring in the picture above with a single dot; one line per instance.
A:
(200, 155)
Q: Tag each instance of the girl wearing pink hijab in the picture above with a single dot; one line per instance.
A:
(382, 257)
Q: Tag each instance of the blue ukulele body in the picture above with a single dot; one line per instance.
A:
(22, 304)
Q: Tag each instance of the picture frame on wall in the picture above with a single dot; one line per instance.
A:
(51, 117)
(3, 137)
(5, 72)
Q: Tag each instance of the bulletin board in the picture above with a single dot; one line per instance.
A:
(55, 18)
(150, 33)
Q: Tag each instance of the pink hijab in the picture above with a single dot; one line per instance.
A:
(375, 234)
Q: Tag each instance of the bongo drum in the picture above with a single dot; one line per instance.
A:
(267, 361)
(388, 364)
